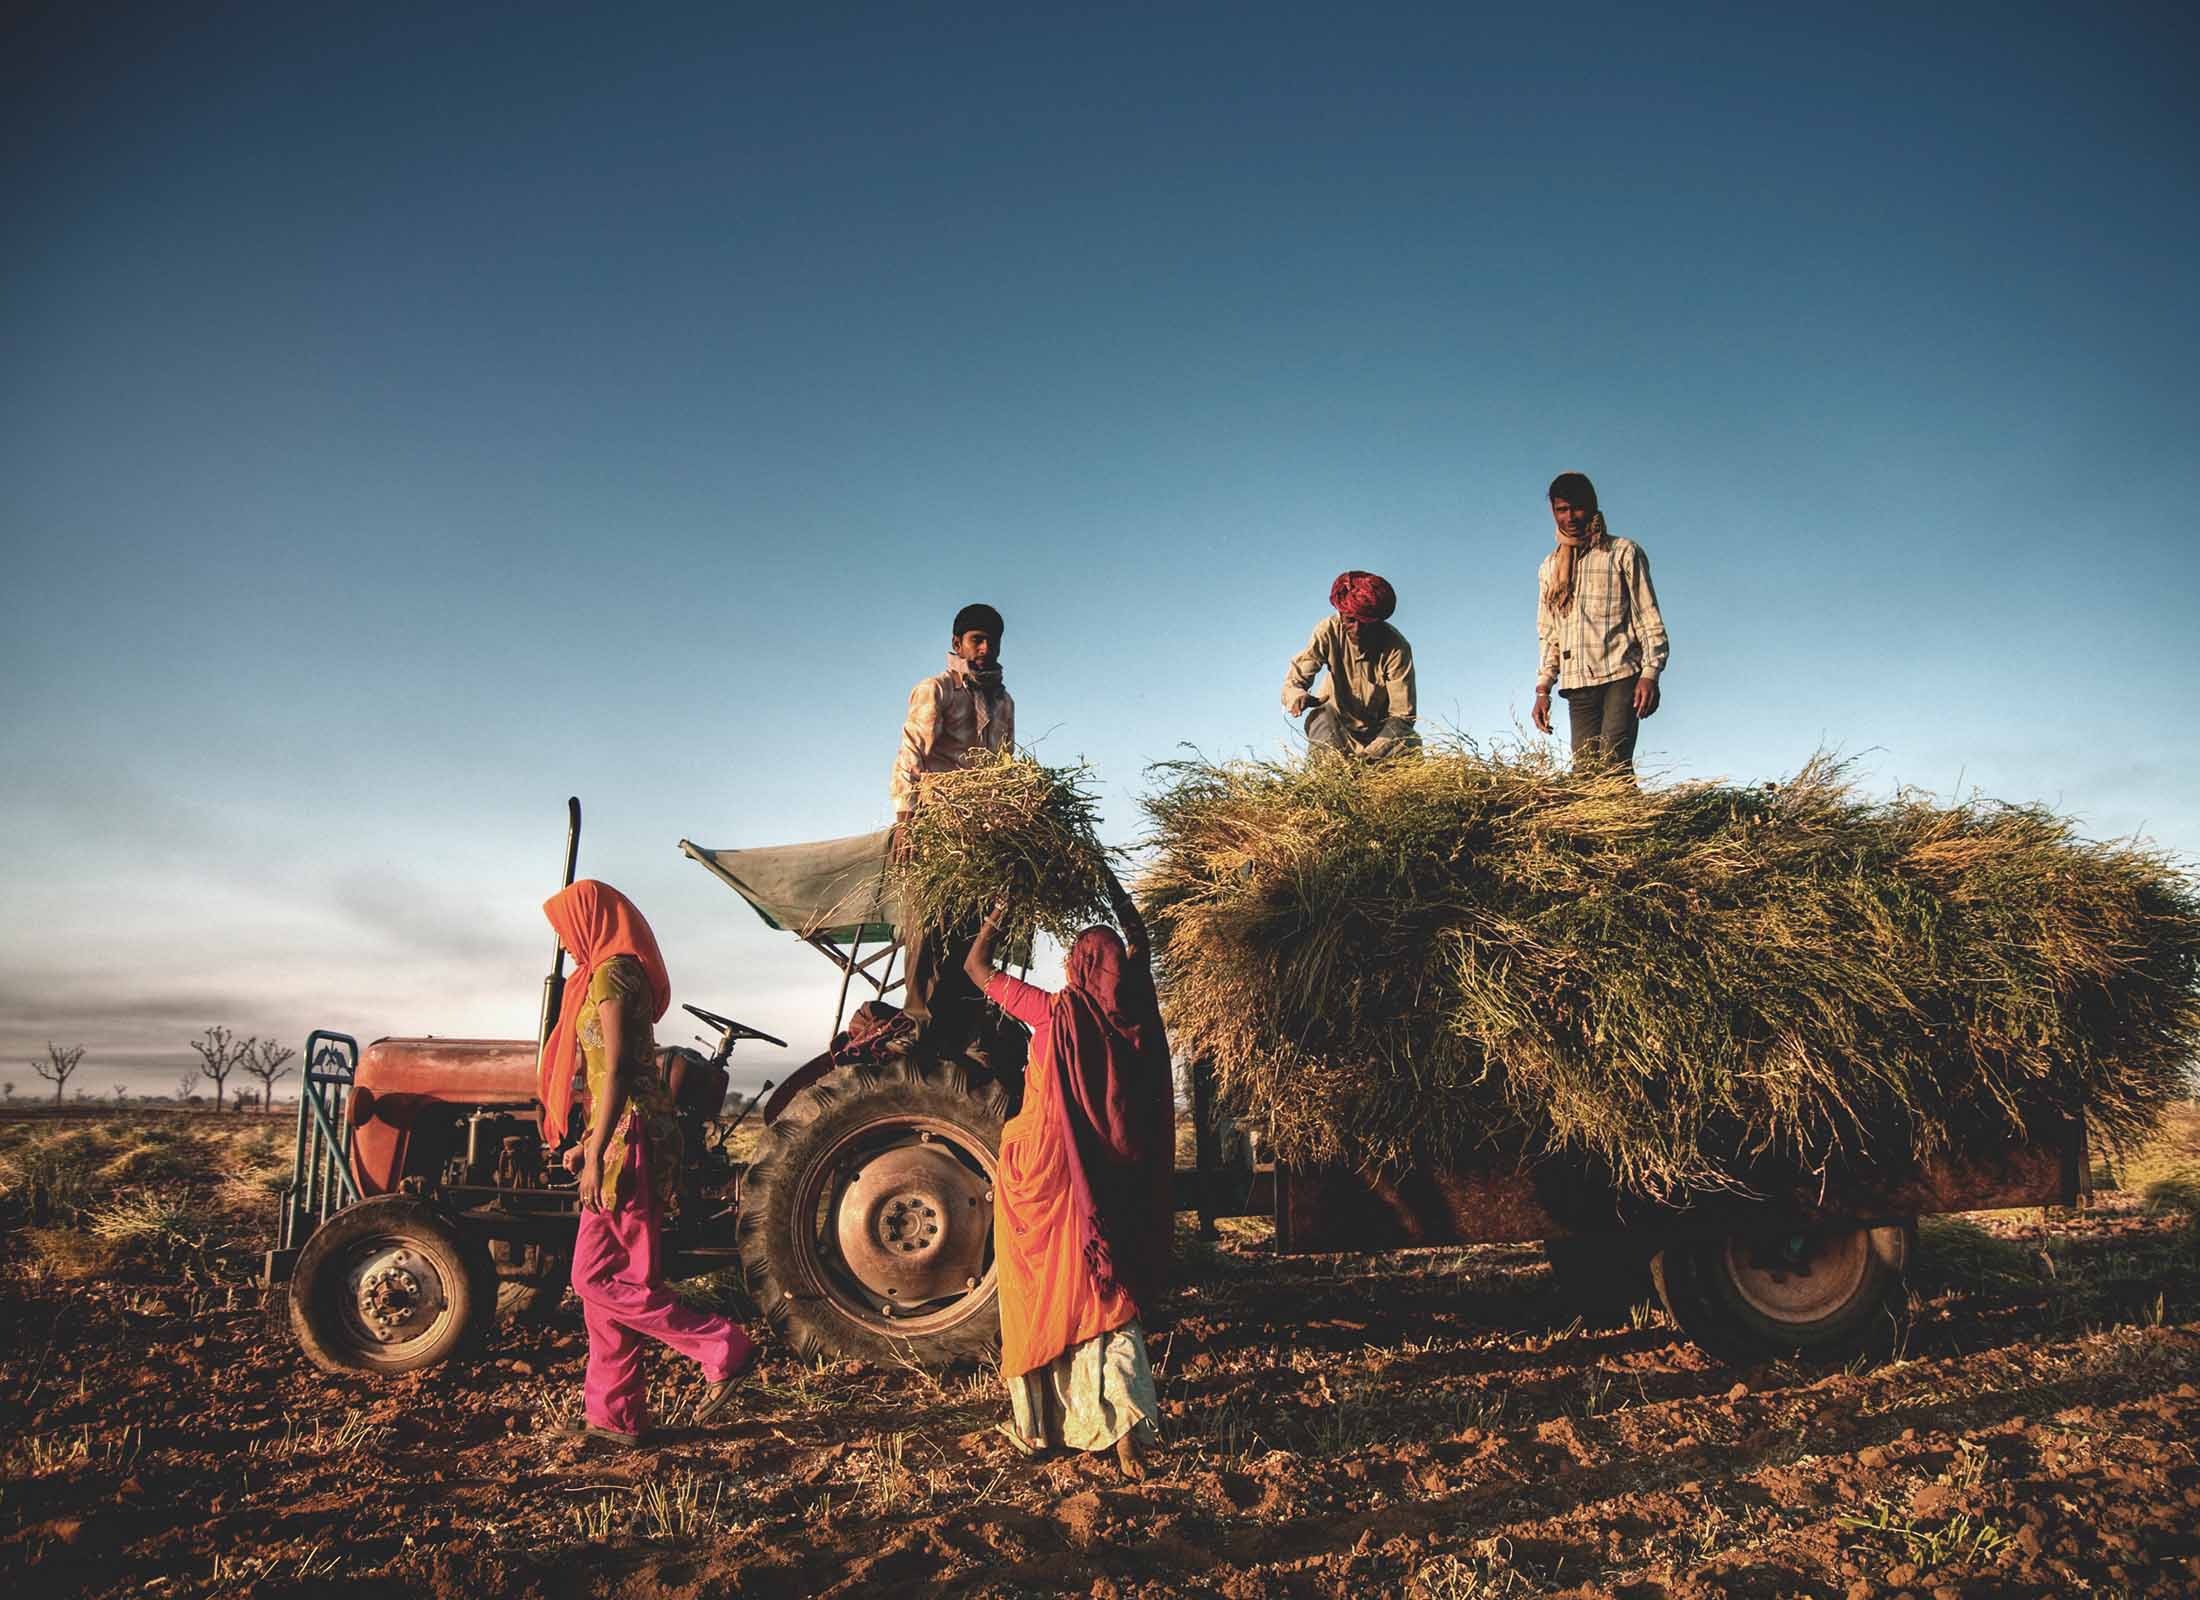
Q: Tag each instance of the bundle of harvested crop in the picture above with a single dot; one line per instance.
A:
(1693, 987)
(1005, 829)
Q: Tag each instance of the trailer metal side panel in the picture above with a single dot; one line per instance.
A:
(1337, 1209)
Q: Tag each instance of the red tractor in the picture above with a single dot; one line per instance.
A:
(423, 1204)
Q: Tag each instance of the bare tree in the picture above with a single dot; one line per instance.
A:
(57, 1066)
(184, 1085)
(219, 1056)
(7, 1090)
(264, 1058)
(122, 1092)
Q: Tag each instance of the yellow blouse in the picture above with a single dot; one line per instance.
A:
(621, 982)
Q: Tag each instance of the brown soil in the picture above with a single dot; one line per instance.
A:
(1435, 1424)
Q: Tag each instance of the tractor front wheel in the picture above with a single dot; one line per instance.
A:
(390, 1285)
(867, 1221)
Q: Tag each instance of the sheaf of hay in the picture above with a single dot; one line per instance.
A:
(1005, 829)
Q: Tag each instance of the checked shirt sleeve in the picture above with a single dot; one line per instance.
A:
(1546, 632)
(919, 734)
(1642, 606)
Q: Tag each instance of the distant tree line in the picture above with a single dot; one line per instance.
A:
(221, 1055)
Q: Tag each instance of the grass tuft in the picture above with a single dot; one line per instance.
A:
(2176, 1190)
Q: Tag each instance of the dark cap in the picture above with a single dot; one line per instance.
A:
(977, 616)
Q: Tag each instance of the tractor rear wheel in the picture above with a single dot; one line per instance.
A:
(1822, 1292)
(867, 1221)
(390, 1285)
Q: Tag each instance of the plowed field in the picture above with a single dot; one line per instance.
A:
(1435, 1423)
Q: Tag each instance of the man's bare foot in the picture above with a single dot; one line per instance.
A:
(1129, 1457)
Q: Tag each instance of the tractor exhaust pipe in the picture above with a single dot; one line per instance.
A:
(553, 987)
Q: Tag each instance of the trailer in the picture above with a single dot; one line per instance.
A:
(423, 1206)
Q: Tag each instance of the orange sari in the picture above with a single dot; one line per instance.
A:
(1082, 1212)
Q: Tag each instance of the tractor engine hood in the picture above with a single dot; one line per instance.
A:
(399, 1079)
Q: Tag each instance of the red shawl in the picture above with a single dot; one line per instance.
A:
(594, 922)
(1118, 1102)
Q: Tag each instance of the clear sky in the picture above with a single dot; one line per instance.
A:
(410, 415)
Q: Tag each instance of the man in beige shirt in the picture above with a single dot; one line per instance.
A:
(1599, 635)
(951, 713)
(1366, 708)
(954, 712)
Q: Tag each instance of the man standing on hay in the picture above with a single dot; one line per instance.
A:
(951, 713)
(1366, 708)
(1598, 633)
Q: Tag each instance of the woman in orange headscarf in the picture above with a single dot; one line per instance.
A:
(1084, 1215)
(628, 1162)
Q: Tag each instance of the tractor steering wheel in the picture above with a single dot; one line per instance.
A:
(731, 1029)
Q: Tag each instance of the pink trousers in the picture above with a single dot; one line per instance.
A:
(616, 1274)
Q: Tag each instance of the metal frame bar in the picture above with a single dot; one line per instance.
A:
(320, 1164)
(851, 967)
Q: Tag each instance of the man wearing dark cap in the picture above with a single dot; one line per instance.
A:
(1366, 708)
(1599, 636)
(951, 714)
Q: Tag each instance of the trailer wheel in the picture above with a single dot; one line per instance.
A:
(867, 1221)
(1826, 1292)
(1602, 1276)
(389, 1285)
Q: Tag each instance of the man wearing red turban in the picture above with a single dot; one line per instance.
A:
(1366, 707)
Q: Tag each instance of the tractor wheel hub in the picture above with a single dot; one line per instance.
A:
(397, 1293)
(911, 1224)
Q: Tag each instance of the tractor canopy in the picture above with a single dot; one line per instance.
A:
(833, 890)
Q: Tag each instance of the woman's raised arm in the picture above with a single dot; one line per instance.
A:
(1136, 944)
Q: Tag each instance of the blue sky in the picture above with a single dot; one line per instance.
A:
(414, 415)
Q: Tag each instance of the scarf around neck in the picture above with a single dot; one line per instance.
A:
(1560, 594)
(984, 684)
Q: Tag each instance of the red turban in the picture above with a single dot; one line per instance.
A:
(1363, 596)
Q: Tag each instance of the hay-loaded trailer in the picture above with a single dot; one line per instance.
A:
(1812, 1270)
(423, 1205)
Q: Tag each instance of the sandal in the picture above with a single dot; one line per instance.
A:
(718, 1395)
(596, 1437)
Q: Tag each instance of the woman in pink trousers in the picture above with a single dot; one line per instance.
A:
(628, 1162)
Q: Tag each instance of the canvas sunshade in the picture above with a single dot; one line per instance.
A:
(831, 888)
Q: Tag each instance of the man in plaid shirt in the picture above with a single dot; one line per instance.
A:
(1599, 635)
